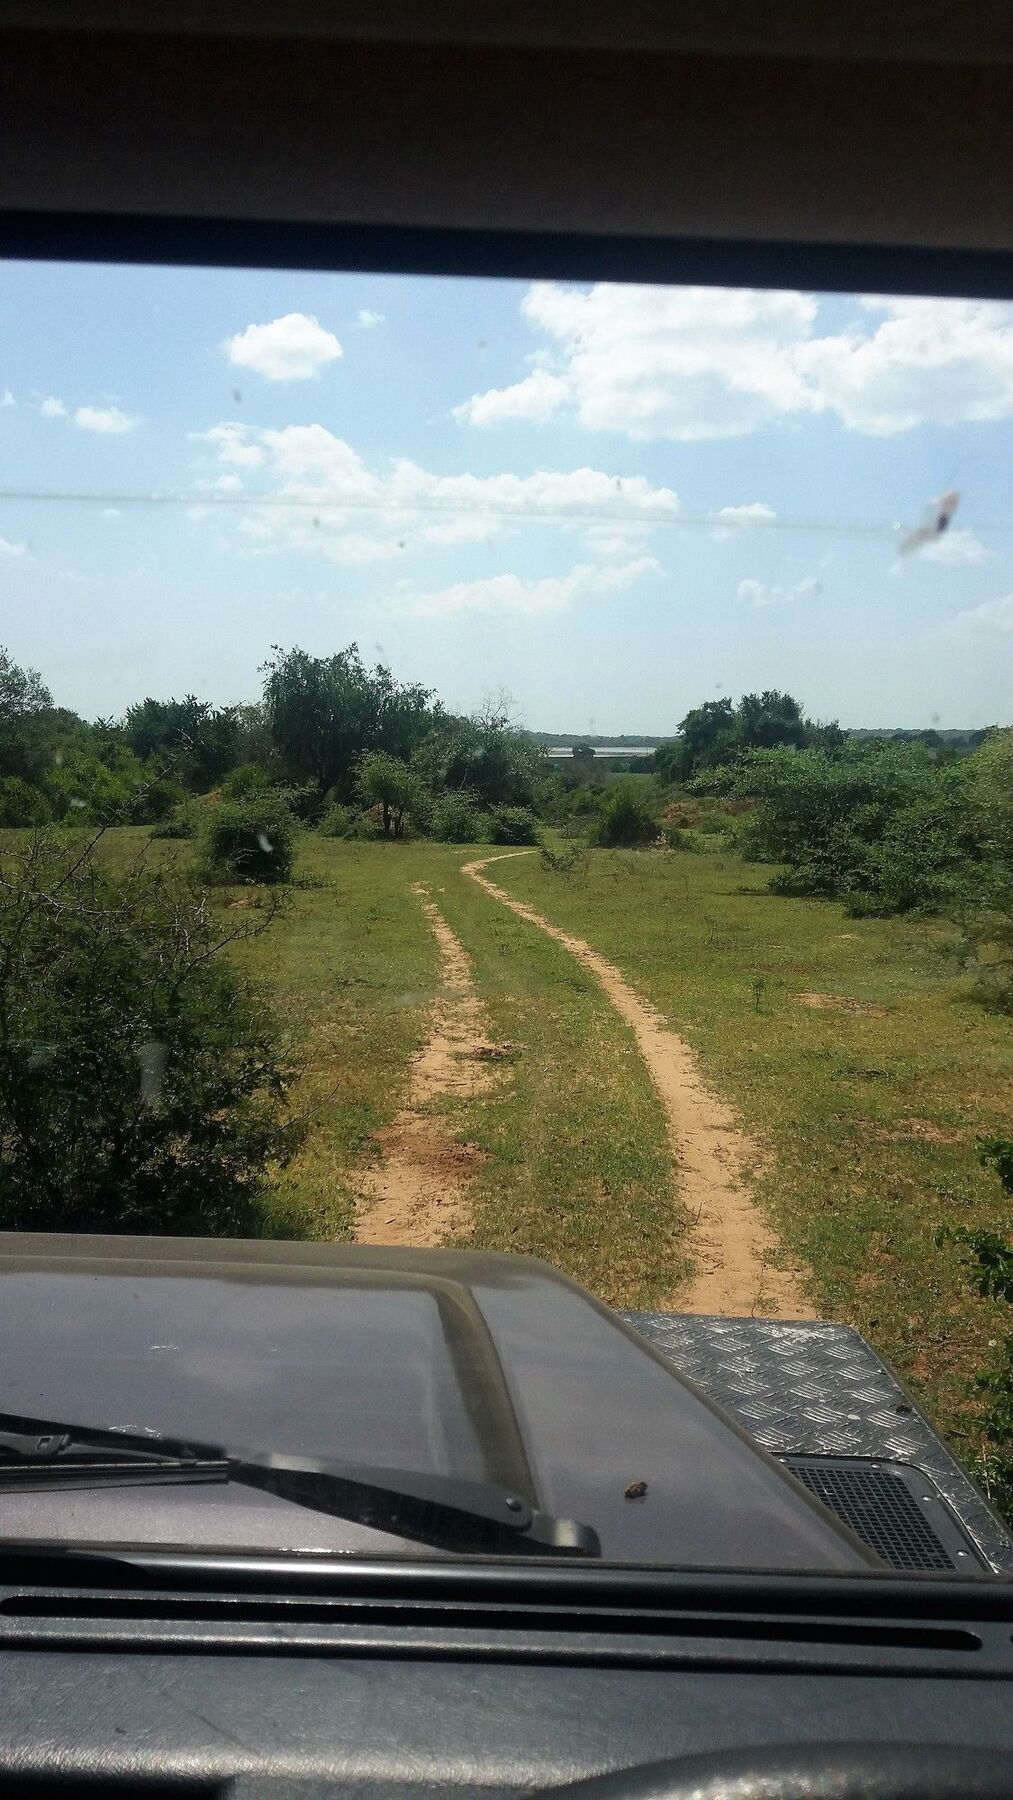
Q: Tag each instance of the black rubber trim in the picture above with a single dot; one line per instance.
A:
(581, 256)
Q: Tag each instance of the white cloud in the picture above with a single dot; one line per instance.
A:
(52, 408)
(367, 318)
(226, 484)
(736, 518)
(696, 363)
(108, 421)
(232, 444)
(111, 512)
(9, 549)
(954, 548)
(322, 496)
(992, 617)
(761, 593)
(6, 399)
(515, 595)
(293, 348)
(540, 396)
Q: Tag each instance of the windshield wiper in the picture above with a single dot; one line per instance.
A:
(40, 1455)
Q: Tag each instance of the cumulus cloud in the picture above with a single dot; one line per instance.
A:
(514, 594)
(9, 549)
(367, 318)
(695, 363)
(954, 548)
(52, 408)
(6, 399)
(321, 495)
(993, 618)
(735, 518)
(108, 421)
(293, 348)
(761, 593)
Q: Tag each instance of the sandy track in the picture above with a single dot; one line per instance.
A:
(417, 1194)
(733, 1245)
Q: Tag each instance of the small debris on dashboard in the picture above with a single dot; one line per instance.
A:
(636, 1490)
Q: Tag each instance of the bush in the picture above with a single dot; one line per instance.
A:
(245, 781)
(457, 820)
(141, 1083)
(21, 804)
(181, 825)
(337, 822)
(513, 825)
(992, 1266)
(626, 819)
(248, 840)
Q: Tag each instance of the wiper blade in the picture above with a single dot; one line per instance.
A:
(425, 1507)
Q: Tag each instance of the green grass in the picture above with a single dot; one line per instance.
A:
(869, 1115)
(868, 1112)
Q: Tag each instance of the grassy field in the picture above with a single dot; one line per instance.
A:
(852, 1050)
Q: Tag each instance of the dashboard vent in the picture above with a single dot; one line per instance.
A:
(893, 1509)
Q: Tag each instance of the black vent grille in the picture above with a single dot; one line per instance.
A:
(883, 1510)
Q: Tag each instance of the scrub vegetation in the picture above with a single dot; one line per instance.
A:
(823, 919)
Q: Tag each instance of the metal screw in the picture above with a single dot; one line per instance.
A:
(513, 1504)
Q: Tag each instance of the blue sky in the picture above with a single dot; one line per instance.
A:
(611, 502)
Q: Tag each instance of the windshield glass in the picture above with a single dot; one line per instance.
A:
(517, 770)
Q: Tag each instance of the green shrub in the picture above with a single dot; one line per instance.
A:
(626, 818)
(245, 781)
(181, 825)
(457, 820)
(513, 825)
(338, 822)
(21, 804)
(248, 840)
(992, 1265)
(142, 1087)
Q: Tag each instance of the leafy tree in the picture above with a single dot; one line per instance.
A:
(142, 1086)
(248, 840)
(21, 804)
(487, 754)
(707, 735)
(194, 739)
(325, 712)
(24, 701)
(387, 782)
(583, 752)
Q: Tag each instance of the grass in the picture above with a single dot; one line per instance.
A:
(869, 1106)
(868, 1103)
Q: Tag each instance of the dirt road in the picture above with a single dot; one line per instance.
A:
(733, 1246)
(416, 1194)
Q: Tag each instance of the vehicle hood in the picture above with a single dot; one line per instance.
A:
(476, 1366)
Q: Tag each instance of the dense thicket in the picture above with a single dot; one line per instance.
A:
(142, 1086)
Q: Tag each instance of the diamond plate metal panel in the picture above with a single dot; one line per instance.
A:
(813, 1389)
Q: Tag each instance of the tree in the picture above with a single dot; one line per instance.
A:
(707, 734)
(142, 1087)
(583, 752)
(762, 721)
(24, 700)
(387, 782)
(190, 738)
(325, 712)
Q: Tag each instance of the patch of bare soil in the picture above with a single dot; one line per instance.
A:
(841, 1003)
(417, 1194)
(734, 1247)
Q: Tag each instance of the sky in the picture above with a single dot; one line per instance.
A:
(610, 502)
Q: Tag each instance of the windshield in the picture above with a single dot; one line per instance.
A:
(497, 770)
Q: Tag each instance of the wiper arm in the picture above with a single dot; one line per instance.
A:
(38, 1455)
